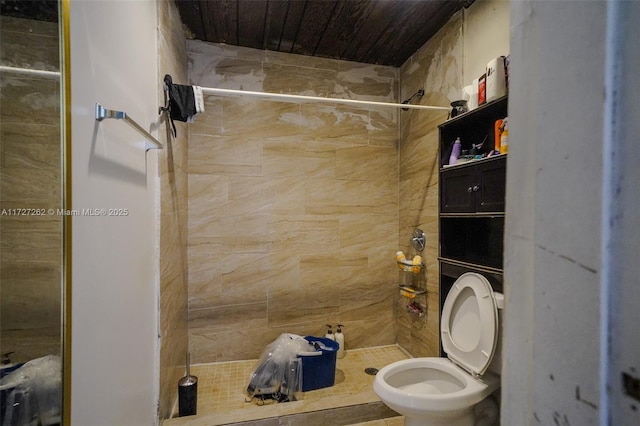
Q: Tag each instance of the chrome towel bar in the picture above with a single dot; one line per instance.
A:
(102, 113)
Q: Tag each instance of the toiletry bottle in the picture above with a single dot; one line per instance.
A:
(417, 262)
(497, 133)
(329, 334)
(455, 151)
(340, 340)
(504, 136)
(401, 258)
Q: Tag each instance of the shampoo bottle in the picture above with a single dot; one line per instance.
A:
(455, 152)
(340, 341)
(400, 257)
(329, 334)
(504, 136)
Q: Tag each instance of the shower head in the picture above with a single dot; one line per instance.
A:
(418, 94)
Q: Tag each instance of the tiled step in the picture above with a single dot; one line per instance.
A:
(391, 421)
(372, 413)
(222, 386)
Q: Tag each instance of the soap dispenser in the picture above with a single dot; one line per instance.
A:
(329, 334)
(340, 341)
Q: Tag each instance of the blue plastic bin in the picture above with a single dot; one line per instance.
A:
(319, 368)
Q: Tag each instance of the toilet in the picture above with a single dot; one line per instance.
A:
(452, 391)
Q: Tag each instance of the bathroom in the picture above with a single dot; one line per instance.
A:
(132, 276)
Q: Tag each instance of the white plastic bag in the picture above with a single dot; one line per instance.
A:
(278, 374)
(33, 393)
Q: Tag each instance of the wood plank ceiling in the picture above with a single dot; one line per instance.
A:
(385, 32)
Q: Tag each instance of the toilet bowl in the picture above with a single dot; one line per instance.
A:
(444, 391)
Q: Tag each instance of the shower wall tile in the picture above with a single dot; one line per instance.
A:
(208, 122)
(304, 158)
(27, 43)
(30, 175)
(300, 61)
(436, 68)
(30, 287)
(30, 100)
(366, 163)
(342, 124)
(225, 155)
(383, 128)
(297, 80)
(293, 207)
(360, 232)
(251, 118)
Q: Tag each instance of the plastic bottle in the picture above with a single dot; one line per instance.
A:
(329, 334)
(497, 130)
(340, 339)
(504, 136)
(401, 260)
(417, 262)
(455, 152)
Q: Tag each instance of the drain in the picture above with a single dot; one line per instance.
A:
(371, 371)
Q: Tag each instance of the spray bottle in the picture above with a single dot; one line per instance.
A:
(455, 151)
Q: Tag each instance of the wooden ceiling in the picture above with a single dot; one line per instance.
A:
(385, 32)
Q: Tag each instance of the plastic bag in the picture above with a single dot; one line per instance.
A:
(32, 394)
(278, 374)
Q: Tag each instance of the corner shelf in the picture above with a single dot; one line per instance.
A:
(408, 266)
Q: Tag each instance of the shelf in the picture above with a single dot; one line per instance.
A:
(488, 215)
(414, 291)
(479, 113)
(484, 160)
(471, 265)
(409, 266)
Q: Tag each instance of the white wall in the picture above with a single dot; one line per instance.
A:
(554, 217)
(621, 222)
(486, 36)
(115, 259)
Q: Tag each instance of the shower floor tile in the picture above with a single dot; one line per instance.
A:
(222, 386)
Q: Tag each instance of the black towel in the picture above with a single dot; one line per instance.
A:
(182, 103)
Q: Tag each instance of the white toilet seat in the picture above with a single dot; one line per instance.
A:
(469, 323)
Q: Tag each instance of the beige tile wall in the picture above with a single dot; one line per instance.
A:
(437, 68)
(293, 208)
(30, 177)
(173, 216)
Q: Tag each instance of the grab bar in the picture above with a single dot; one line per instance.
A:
(102, 113)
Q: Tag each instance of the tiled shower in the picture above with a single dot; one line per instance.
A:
(293, 208)
(295, 211)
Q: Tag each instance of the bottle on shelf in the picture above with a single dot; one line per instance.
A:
(455, 151)
(504, 136)
(417, 264)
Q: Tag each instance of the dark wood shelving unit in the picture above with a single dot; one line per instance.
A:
(472, 200)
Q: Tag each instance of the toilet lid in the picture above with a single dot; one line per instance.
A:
(469, 323)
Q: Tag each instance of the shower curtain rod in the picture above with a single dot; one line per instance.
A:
(302, 98)
(29, 71)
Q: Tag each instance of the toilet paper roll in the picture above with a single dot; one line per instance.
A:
(466, 93)
(473, 100)
(496, 80)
